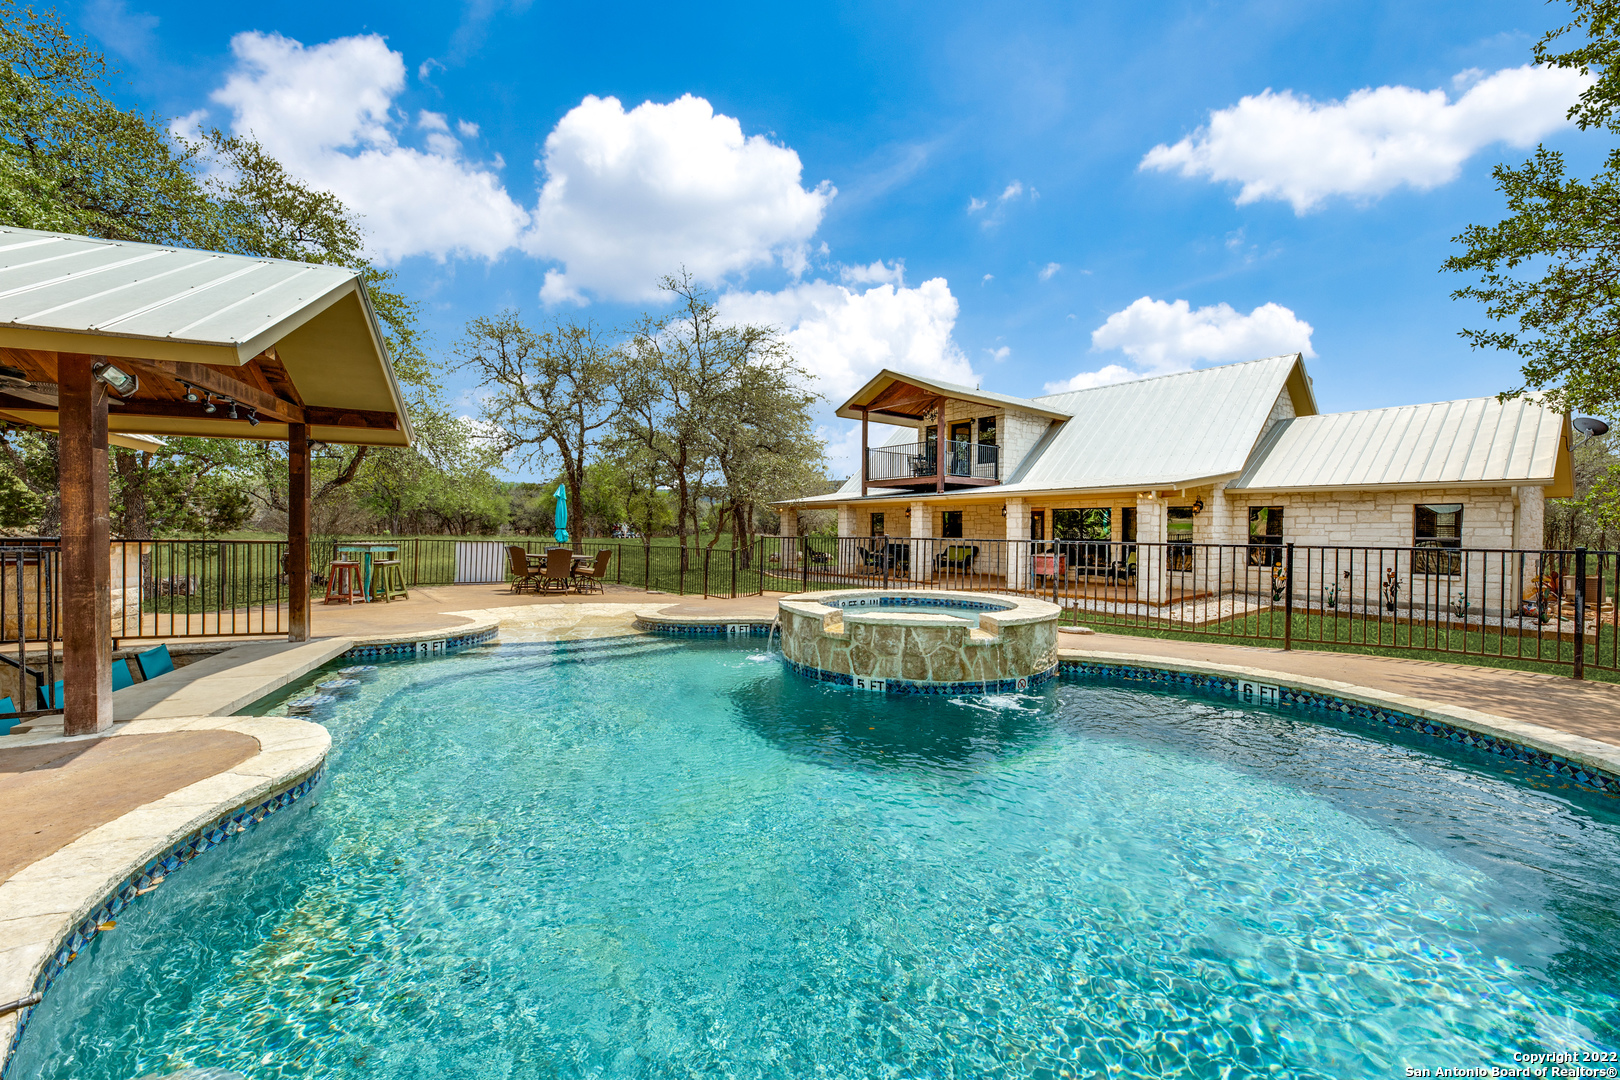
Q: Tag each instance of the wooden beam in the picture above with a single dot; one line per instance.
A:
(355, 418)
(896, 392)
(298, 485)
(219, 382)
(86, 549)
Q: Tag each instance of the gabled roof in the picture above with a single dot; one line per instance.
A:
(1170, 430)
(887, 381)
(1167, 431)
(301, 332)
(1474, 441)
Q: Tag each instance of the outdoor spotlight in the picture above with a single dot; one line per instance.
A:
(253, 418)
(209, 407)
(233, 411)
(191, 393)
(118, 380)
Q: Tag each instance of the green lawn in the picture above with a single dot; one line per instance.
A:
(1315, 631)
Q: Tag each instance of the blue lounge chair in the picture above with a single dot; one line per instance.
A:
(154, 662)
(6, 706)
(121, 678)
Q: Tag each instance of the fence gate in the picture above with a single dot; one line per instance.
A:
(480, 562)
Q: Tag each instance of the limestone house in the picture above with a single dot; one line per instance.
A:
(1232, 455)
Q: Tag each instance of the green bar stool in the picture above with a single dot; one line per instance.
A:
(387, 580)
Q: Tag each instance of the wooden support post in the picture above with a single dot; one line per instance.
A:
(86, 548)
(939, 448)
(298, 532)
(863, 451)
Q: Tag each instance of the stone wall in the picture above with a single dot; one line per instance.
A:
(919, 648)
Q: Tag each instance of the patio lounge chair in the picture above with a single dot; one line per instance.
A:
(56, 697)
(154, 662)
(558, 570)
(957, 557)
(7, 706)
(589, 578)
(524, 576)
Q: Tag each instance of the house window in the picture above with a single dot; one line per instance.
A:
(987, 431)
(951, 525)
(877, 525)
(1083, 535)
(1437, 538)
(1127, 524)
(1265, 535)
(1178, 530)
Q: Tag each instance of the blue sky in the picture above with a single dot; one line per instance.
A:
(1026, 196)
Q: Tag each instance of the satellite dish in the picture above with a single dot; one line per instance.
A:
(1589, 426)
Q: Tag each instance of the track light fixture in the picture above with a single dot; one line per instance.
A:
(208, 406)
(233, 411)
(253, 418)
(191, 393)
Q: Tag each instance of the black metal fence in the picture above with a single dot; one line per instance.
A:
(1547, 607)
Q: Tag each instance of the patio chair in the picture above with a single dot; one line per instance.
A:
(558, 570)
(589, 578)
(873, 558)
(154, 662)
(524, 576)
(958, 557)
(7, 706)
(56, 696)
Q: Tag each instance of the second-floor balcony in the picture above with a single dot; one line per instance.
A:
(967, 464)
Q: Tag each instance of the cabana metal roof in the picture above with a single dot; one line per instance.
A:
(1476, 441)
(289, 342)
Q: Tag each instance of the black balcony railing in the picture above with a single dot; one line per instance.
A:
(917, 461)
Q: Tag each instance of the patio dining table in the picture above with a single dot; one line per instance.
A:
(364, 554)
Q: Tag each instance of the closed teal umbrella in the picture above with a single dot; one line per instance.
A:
(562, 514)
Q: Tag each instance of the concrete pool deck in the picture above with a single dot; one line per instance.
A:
(79, 816)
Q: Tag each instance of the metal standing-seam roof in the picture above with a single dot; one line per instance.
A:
(1473, 441)
(1167, 431)
(53, 283)
(61, 293)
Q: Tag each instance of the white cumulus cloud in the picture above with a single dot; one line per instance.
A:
(1049, 271)
(1286, 146)
(630, 196)
(326, 112)
(1085, 380)
(844, 336)
(1172, 335)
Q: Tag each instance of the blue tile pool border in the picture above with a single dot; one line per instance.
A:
(178, 856)
(434, 646)
(1576, 772)
(740, 628)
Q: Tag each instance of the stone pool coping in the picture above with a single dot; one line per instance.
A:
(54, 906)
(1007, 611)
(1388, 707)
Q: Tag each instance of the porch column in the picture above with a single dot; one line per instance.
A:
(939, 448)
(1017, 545)
(86, 548)
(922, 543)
(1219, 531)
(298, 532)
(788, 548)
(846, 519)
(864, 454)
(1152, 560)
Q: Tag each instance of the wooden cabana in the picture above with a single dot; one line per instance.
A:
(107, 341)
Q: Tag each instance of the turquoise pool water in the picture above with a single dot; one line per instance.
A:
(668, 859)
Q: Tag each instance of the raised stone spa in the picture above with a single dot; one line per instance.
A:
(920, 641)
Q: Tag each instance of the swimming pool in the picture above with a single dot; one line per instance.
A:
(652, 858)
